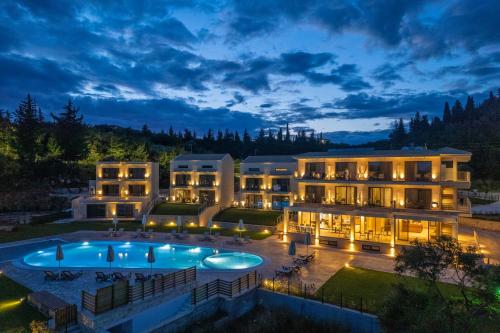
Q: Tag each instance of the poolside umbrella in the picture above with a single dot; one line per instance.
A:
(59, 255)
(144, 221)
(179, 222)
(115, 221)
(209, 225)
(110, 257)
(241, 226)
(151, 258)
(291, 248)
(307, 241)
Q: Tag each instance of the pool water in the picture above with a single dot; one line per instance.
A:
(134, 255)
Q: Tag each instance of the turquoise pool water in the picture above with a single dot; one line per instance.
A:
(134, 255)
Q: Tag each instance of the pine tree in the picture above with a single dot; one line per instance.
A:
(28, 128)
(446, 113)
(287, 134)
(69, 132)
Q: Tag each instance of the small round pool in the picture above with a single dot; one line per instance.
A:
(232, 260)
(134, 255)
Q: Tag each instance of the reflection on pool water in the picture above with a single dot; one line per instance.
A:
(134, 255)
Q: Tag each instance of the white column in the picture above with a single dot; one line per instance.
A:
(286, 213)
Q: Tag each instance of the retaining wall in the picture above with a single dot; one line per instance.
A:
(479, 223)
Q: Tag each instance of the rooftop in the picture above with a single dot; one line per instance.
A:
(372, 152)
(269, 159)
(200, 157)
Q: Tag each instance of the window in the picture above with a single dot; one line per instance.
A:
(182, 180)
(345, 195)
(110, 173)
(380, 196)
(447, 164)
(315, 170)
(379, 170)
(207, 180)
(254, 201)
(182, 166)
(136, 173)
(137, 190)
(207, 166)
(207, 197)
(315, 194)
(280, 169)
(254, 169)
(125, 210)
(110, 190)
(420, 171)
(280, 185)
(253, 184)
(280, 201)
(96, 211)
(418, 198)
(345, 170)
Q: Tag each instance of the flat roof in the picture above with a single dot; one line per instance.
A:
(200, 157)
(270, 159)
(371, 152)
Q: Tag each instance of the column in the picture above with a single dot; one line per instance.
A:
(317, 226)
(286, 213)
(353, 227)
(393, 232)
(455, 229)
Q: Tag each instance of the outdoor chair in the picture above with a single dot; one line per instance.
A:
(205, 237)
(247, 239)
(109, 233)
(101, 277)
(183, 235)
(51, 276)
(157, 276)
(70, 276)
(121, 231)
(119, 276)
(217, 235)
(137, 233)
(139, 277)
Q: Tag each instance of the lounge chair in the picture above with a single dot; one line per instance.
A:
(295, 268)
(247, 239)
(157, 276)
(183, 235)
(120, 232)
(285, 271)
(70, 276)
(235, 241)
(101, 277)
(205, 237)
(139, 277)
(51, 276)
(217, 235)
(301, 259)
(109, 233)
(119, 276)
(137, 233)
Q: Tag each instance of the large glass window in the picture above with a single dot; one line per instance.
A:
(315, 194)
(418, 198)
(379, 171)
(111, 190)
(376, 229)
(345, 195)
(207, 196)
(253, 184)
(254, 201)
(182, 180)
(409, 230)
(207, 180)
(315, 170)
(110, 173)
(420, 171)
(280, 185)
(137, 190)
(346, 170)
(125, 210)
(333, 225)
(280, 201)
(96, 211)
(380, 196)
(136, 173)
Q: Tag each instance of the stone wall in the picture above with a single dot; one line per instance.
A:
(479, 223)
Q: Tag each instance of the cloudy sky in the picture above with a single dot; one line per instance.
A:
(332, 66)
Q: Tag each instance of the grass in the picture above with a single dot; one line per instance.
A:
(249, 216)
(166, 208)
(15, 316)
(372, 286)
(41, 230)
(256, 235)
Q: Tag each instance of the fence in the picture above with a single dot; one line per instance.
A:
(308, 291)
(121, 292)
(65, 317)
(493, 196)
(224, 288)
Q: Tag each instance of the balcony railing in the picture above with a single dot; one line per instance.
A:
(463, 176)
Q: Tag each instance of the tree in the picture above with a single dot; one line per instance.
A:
(432, 261)
(69, 132)
(27, 131)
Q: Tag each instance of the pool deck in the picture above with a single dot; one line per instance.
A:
(274, 252)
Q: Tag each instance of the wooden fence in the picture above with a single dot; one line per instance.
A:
(224, 288)
(121, 292)
(65, 317)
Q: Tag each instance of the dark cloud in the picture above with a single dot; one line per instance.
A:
(300, 62)
(387, 74)
(266, 105)
(346, 76)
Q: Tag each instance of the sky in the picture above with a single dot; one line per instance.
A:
(346, 68)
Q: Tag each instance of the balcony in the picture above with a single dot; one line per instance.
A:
(252, 189)
(463, 176)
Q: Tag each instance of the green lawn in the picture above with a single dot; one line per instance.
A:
(256, 235)
(249, 216)
(40, 230)
(166, 208)
(14, 315)
(373, 286)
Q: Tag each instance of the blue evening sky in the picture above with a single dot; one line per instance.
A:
(339, 67)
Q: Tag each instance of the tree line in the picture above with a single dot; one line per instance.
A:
(62, 149)
(474, 127)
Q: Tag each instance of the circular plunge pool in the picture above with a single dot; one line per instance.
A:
(134, 255)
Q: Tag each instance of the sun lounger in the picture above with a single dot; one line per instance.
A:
(301, 259)
(137, 233)
(235, 241)
(109, 233)
(183, 235)
(217, 235)
(285, 271)
(205, 237)
(139, 277)
(120, 232)
(70, 276)
(101, 277)
(51, 276)
(119, 276)
(247, 239)
(157, 276)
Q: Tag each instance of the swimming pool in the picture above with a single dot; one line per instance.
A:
(134, 255)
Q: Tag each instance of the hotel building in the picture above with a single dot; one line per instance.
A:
(202, 178)
(266, 182)
(378, 199)
(124, 189)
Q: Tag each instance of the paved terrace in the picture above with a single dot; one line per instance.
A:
(274, 251)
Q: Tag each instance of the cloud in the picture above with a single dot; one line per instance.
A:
(387, 74)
